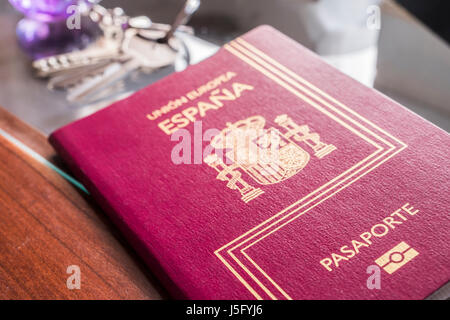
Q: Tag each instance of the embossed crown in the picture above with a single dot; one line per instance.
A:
(233, 130)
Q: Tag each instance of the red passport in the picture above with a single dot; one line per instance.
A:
(263, 172)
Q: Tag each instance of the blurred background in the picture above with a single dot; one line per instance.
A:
(399, 47)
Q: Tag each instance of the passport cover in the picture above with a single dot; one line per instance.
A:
(355, 204)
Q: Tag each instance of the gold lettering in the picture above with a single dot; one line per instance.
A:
(194, 94)
(180, 120)
(238, 88)
(397, 213)
(326, 263)
(166, 126)
(410, 210)
(217, 100)
(391, 221)
(190, 113)
(379, 235)
(357, 244)
(378, 230)
(204, 106)
(346, 249)
(366, 236)
(336, 258)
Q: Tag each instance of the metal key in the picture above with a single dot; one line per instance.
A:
(111, 23)
(142, 23)
(127, 44)
(67, 79)
(87, 63)
(144, 53)
(117, 17)
(102, 50)
(93, 84)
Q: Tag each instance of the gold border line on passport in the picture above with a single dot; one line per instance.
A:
(293, 82)
(266, 228)
(230, 250)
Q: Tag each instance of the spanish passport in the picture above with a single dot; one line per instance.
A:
(264, 173)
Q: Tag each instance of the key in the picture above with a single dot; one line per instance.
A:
(67, 79)
(189, 8)
(142, 23)
(67, 72)
(106, 18)
(102, 50)
(144, 53)
(92, 84)
(128, 44)
(106, 48)
(166, 28)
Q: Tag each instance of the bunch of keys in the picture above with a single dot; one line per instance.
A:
(127, 44)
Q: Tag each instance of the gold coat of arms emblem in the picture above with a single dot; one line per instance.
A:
(267, 155)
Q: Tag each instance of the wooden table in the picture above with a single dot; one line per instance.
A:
(46, 225)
